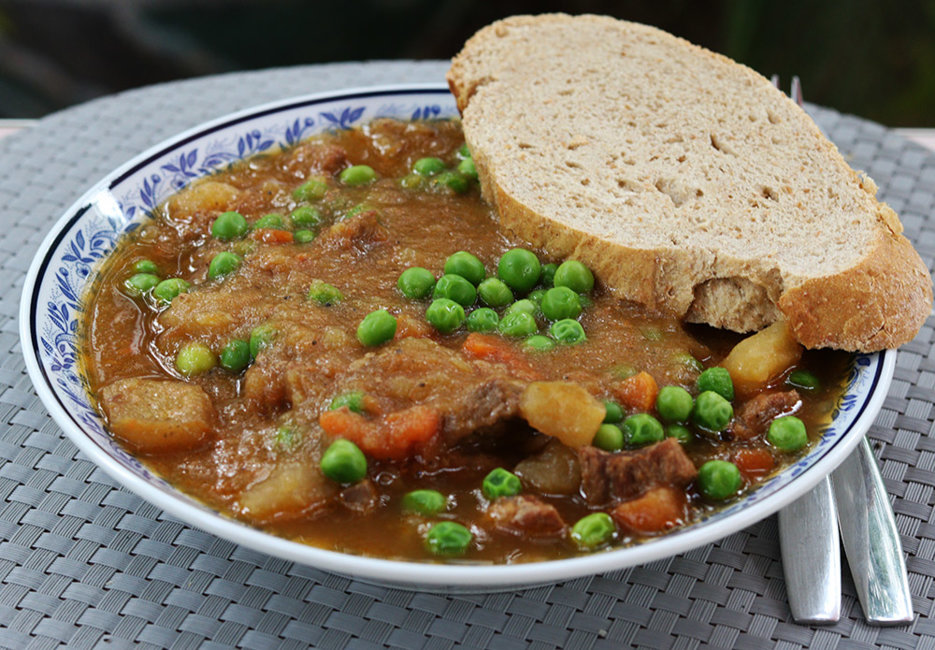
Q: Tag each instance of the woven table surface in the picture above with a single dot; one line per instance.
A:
(84, 562)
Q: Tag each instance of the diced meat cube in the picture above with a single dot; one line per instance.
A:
(754, 417)
(156, 415)
(492, 402)
(361, 497)
(656, 511)
(526, 516)
(314, 158)
(362, 232)
(627, 474)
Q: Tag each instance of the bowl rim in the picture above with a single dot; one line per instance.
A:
(398, 573)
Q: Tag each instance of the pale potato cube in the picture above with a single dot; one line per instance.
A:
(757, 359)
(207, 196)
(562, 409)
(156, 415)
(292, 490)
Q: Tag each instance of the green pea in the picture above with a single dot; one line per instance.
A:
(609, 437)
(547, 277)
(354, 400)
(376, 328)
(416, 282)
(568, 331)
(787, 433)
(690, 362)
(803, 380)
(314, 189)
(448, 538)
(145, 266)
(353, 212)
(194, 359)
(467, 169)
(428, 166)
(623, 371)
(520, 269)
(273, 220)
(613, 413)
(303, 236)
(305, 216)
(559, 303)
(324, 294)
(652, 333)
(718, 380)
(712, 412)
(229, 225)
(358, 175)
(719, 479)
(680, 432)
(464, 152)
(642, 429)
(235, 356)
(244, 247)
(456, 288)
(261, 337)
(222, 264)
(536, 297)
(285, 437)
(445, 315)
(574, 275)
(674, 404)
(139, 283)
(593, 531)
(501, 483)
(494, 292)
(424, 502)
(167, 290)
(538, 343)
(517, 323)
(412, 181)
(484, 319)
(467, 266)
(525, 306)
(452, 181)
(343, 462)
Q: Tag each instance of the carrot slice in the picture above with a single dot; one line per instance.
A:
(493, 348)
(753, 463)
(393, 436)
(272, 236)
(637, 393)
(656, 511)
(344, 423)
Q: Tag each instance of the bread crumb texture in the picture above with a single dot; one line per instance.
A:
(687, 181)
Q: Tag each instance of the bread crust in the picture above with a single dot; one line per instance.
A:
(879, 301)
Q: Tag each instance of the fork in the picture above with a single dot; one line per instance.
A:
(854, 500)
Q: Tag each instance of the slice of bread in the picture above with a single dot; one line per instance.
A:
(685, 180)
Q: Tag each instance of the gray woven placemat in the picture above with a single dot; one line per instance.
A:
(84, 562)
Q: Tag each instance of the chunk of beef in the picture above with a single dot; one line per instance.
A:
(627, 474)
(361, 497)
(314, 158)
(361, 232)
(526, 516)
(156, 415)
(754, 417)
(488, 404)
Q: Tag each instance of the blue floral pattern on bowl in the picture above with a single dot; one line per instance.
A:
(65, 268)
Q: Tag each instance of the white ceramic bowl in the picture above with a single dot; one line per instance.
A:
(66, 264)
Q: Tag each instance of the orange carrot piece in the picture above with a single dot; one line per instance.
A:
(753, 463)
(637, 393)
(344, 423)
(272, 236)
(655, 512)
(394, 436)
(495, 349)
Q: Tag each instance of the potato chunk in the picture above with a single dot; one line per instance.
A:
(762, 356)
(292, 490)
(206, 196)
(156, 415)
(563, 410)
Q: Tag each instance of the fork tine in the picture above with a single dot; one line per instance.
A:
(795, 92)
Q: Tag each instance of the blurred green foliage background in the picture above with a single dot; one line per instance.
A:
(872, 58)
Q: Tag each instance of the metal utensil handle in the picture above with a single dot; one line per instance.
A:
(871, 540)
(811, 556)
